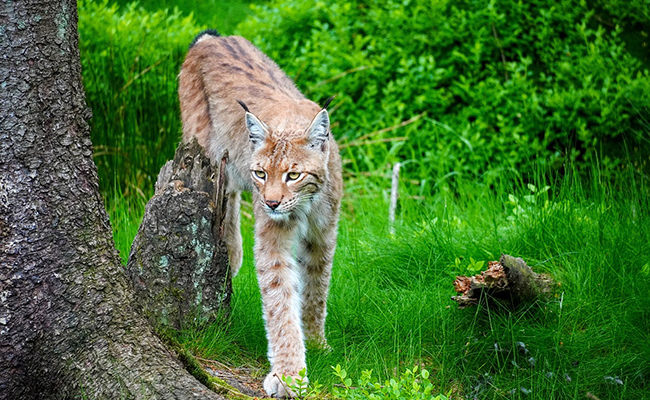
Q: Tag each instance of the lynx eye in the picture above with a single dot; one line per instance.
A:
(260, 174)
(292, 176)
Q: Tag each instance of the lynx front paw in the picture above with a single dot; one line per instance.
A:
(282, 386)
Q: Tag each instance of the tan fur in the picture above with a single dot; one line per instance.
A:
(295, 219)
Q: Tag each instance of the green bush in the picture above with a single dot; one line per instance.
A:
(626, 12)
(502, 83)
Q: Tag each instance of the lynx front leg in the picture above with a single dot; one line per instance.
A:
(315, 256)
(280, 287)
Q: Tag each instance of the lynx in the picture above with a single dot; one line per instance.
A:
(233, 97)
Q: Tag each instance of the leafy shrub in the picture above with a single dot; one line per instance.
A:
(626, 12)
(504, 85)
(412, 385)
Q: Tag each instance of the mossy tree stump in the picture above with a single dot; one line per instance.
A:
(178, 262)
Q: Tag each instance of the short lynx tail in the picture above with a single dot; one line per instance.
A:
(210, 32)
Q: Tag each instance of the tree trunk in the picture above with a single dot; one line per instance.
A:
(179, 262)
(67, 322)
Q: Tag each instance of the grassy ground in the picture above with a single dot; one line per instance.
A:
(390, 307)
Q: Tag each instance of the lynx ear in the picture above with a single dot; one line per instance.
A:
(319, 130)
(257, 130)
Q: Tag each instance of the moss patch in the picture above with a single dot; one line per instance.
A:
(193, 366)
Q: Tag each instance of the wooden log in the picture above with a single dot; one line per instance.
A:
(178, 262)
(508, 281)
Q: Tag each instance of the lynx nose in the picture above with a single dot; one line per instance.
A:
(273, 204)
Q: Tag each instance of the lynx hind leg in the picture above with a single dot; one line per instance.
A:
(232, 232)
(315, 256)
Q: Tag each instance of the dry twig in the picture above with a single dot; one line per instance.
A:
(359, 141)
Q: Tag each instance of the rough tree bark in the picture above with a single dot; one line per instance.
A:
(67, 323)
(179, 262)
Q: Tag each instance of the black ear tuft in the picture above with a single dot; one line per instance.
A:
(328, 101)
(241, 103)
(210, 32)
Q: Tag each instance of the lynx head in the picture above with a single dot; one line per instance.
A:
(289, 167)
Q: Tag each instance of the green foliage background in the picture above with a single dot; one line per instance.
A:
(498, 85)
(504, 84)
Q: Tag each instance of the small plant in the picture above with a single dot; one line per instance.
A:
(522, 207)
(300, 386)
(412, 385)
(472, 268)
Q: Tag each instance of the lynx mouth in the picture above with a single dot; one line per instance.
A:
(277, 215)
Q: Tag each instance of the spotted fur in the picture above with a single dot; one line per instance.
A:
(234, 98)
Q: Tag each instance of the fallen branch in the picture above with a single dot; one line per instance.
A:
(507, 281)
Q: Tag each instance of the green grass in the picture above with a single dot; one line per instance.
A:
(130, 63)
(390, 307)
